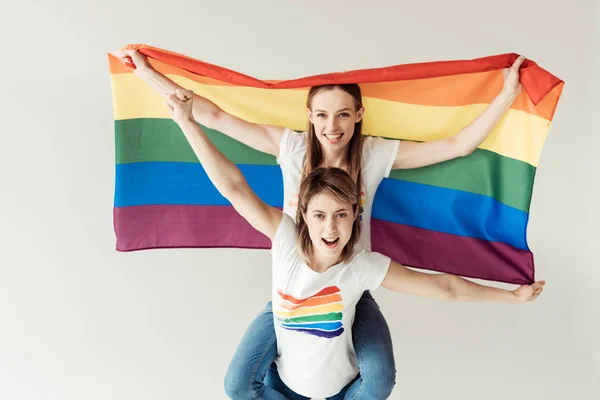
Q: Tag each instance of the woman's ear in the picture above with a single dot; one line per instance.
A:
(359, 114)
(309, 115)
(303, 215)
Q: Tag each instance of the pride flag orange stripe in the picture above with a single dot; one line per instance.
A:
(324, 292)
(475, 88)
(316, 301)
(403, 88)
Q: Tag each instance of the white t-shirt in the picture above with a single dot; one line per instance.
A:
(378, 157)
(313, 314)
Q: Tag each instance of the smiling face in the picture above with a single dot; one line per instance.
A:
(333, 113)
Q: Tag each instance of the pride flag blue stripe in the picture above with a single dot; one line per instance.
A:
(325, 326)
(152, 183)
(450, 211)
(414, 204)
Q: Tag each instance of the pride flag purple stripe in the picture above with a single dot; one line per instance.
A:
(176, 226)
(325, 334)
(459, 255)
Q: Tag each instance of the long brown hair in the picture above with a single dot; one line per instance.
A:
(337, 184)
(314, 153)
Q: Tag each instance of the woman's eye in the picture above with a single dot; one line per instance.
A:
(320, 115)
(344, 115)
(342, 215)
(318, 216)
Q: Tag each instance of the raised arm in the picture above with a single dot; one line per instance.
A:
(225, 175)
(452, 287)
(414, 154)
(264, 138)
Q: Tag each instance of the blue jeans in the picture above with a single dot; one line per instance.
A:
(252, 373)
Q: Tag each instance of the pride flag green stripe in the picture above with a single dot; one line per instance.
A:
(335, 316)
(159, 139)
(484, 172)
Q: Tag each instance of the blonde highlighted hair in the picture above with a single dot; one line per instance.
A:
(337, 184)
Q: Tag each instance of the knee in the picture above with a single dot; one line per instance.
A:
(379, 387)
(237, 384)
(378, 378)
(386, 383)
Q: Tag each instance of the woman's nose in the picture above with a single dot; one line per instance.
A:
(331, 225)
(331, 124)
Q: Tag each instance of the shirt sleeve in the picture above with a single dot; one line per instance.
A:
(283, 145)
(284, 246)
(370, 268)
(291, 143)
(379, 155)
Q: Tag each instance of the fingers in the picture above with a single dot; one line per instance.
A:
(177, 98)
(125, 56)
(129, 54)
(514, 68)
(538, 288)
(133, 57)
(184, 95)
(517, 64)
(538, 285)
(133, 53)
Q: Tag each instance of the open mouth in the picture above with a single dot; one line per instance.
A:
(333, 137)
(331, 243)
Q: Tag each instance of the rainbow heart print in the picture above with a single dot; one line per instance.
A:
(317, 315)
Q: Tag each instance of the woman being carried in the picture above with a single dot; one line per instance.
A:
(319, 275)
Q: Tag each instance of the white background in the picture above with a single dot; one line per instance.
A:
(79, 320)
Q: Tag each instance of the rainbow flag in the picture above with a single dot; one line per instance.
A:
(467, 216)
(317, 315)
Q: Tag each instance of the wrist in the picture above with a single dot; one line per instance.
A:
(508, 94)
(513, 297)
(143, 71)
(186, 122)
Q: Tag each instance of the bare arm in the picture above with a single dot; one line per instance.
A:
(452, 287)
(224, 174)
(264, 138)
(414, 154)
